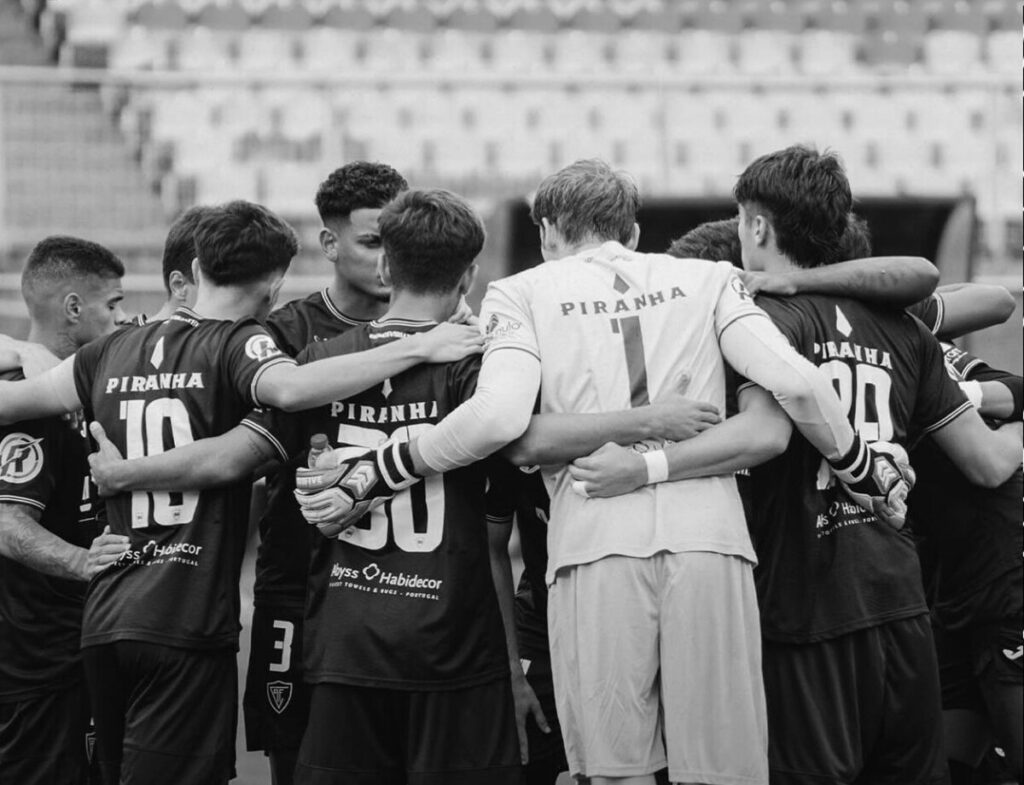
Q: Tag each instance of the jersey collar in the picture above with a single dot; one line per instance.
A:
(336, 312)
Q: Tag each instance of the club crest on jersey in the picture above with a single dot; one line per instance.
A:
(279, 695)
(740, 288)
(21, 458)
(261, 347)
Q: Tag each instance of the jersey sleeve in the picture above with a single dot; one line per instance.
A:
(279, 429)
(502, 486)
(287, 330)
(248, 353)
(734, 301)
(30, 461)
(929, 311)
(508, 319)
(939, 399)
(462, 377)
(960, 365)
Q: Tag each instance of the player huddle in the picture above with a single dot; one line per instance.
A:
(719, 522)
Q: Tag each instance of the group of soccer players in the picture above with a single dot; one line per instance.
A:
(710, 483)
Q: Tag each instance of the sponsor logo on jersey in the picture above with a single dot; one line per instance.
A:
(499, 328)
(401, 412)
(843, 350)
(279, 695)
(380, 581)
(622, 305)
(261, 347)
(21, 458)
(154, 553)
(155, 381)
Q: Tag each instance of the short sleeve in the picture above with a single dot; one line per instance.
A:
(507, 318)
(734, 301)
(462, 378)
(960, 365)
(930, 311)
(503, 484)
(248, 353)
(30, 461)
(939, 399)
(287, 330)
(280, 429)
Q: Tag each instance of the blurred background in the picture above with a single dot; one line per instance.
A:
(115, 115)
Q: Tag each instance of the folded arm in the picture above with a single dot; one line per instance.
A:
(967, 307)
(985, 457)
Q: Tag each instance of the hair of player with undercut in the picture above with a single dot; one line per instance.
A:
(180, 246)
(60, 258)
(806, 196)
(856, 240)
(714, 241)
(588, 200)
(241, 242)
(357, 185)
(430, 238)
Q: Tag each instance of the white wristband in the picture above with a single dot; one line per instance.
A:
(973, 392)
(657, 466)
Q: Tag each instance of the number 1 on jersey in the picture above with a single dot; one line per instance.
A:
(633, 343)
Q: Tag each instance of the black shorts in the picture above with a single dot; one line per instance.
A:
(990, 653)
(862, 707)
(372, 736)
(164, 716)
(276, 701)
(44, 740)
(547, 752)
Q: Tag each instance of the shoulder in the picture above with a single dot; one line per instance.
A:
(352, 341)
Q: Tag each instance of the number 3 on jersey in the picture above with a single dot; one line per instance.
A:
(146, 424)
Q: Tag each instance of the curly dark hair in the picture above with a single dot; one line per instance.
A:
(714, 241)
(805, 195)
(430, 238)
(241, 242)
(358, 185)
(856, 240)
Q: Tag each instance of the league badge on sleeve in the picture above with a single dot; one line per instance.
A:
(21, 458)
(261, 347)
(740, 288)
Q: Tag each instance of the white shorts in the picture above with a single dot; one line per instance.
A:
(664, 646)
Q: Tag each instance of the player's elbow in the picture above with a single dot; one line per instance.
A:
(509, 428)
(991, 468)
(923, 277)
(1002, 304)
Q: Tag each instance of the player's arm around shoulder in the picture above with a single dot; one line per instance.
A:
(52, 392)
(206, 463)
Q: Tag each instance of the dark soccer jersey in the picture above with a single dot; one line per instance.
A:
(154, 388)
(521, 492)
(404, 599)
(43, 466)
(282, 561)
(970, 538)
(827, 567)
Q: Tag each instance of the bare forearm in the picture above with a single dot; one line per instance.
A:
(296, 387)
(561, 438)
(757, 434)
(996, 401)
(501, 573)
(890, 280)
(24, 540)
(192, 467)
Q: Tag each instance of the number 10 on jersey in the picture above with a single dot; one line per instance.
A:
(146, 425)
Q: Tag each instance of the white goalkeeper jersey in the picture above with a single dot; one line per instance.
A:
(614, 328)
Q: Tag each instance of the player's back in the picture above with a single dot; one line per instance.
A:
(154, 388)
(404, 598)
(614, 328)
(826, 566)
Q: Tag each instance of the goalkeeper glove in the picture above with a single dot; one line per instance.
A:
(333, 498)
(878, 477)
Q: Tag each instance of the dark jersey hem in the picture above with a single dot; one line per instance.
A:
(39, 690)
(412, 686)
(174, 642)
(845, 629)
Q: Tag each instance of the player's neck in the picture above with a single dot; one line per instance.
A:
(778, 263)
(166, 311)
(228, 303)
(354, 303)
(421, 307)
(53, 338)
